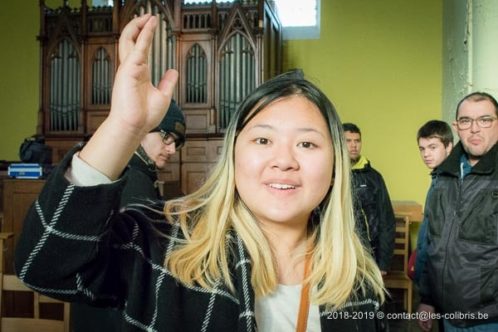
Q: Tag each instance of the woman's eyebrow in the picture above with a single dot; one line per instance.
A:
(263, 126)
(270, 127)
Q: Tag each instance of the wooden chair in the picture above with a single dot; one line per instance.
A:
(10, 286)
(397, 278)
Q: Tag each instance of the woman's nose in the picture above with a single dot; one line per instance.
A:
(284, 157)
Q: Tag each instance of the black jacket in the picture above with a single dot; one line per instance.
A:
(106, 257)
(141, 187)
(374, 212)
(461, 274)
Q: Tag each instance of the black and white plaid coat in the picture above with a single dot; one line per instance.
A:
(77, 246)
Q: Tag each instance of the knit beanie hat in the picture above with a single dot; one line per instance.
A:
(173, 122)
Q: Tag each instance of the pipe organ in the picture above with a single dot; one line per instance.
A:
(221, 50)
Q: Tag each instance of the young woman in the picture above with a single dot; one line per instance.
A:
(267, 243)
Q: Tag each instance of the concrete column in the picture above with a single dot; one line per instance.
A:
(470, 51)
(483, 58)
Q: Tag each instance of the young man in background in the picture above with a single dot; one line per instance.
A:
(435, 141)
(373, 209)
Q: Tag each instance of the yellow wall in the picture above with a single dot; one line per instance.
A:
(379, 62)
(19, 74)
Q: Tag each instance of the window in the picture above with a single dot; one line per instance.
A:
(99, 3)
(300, 18)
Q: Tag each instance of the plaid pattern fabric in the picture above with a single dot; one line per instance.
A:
(77, 246)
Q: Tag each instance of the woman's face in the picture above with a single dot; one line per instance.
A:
(284, 161)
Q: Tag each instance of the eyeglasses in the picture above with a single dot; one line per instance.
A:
(483, 122)
(171, 138)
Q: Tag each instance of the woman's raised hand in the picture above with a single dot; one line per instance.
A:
(137, 106)
(136, 103)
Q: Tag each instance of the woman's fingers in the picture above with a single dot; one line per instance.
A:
(130, 34)
(161, 98)
(140, 103)
(168, 82)
(144, 39)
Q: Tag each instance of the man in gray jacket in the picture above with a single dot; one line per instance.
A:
(461, 274)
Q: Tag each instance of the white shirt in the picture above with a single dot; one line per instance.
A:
(83, 175)
(278, 312)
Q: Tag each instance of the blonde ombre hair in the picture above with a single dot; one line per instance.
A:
(341, 266)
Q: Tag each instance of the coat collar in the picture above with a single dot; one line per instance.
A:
(451, 165)
(361, 163)
(137, 162)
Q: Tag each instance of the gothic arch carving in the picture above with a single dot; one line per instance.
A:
(163, 48)
(197, 75)
(102, 73)
(65, 88)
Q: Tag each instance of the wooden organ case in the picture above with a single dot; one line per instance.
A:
(221, 50)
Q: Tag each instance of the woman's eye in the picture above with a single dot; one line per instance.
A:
(261, 140)
(307, 145)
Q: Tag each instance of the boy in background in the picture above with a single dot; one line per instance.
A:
(435, 141)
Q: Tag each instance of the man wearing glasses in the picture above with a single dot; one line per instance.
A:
(461, 274)
(153, 154)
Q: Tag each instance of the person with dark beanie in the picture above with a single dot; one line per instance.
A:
(153, 154)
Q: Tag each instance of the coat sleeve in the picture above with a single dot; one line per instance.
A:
(421, 257)
(71, 245)
(422, 277)
(424, 287)
(387, 226)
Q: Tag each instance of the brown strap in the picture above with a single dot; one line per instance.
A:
(304, 302)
